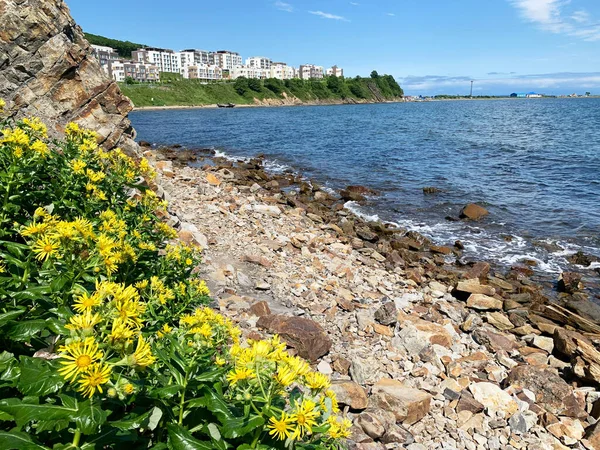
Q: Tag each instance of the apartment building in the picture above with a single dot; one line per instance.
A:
(310, 71)
(104, 54)
(282, 71)
(227, 60)
(166, 60)
(141, 72)
(335, 71)
(249, 72)
(203, 72)
(259, 62)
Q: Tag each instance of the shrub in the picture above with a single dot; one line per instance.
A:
(241, 85)
(105, 339)
(255, 84)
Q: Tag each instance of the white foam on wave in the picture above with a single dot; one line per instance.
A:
(354, 208)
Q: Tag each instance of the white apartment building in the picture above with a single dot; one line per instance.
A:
(166, 60)
(259, 62)
(249, 72)
(335, 71)
(203, 72)
(120, 69)
(310, 71)
(227, 60)
(282, 71)
(104, 55)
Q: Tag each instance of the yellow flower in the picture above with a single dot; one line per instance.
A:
(93, 380)
(141, 284)
(237, 375)
(205, 330)
(45, 248)
(36, 125)
(120, 330)
(220, 361)
(317, 381)
(281, 428)
(80, 356)
(95, 177)
(189, 262)
(261, 348)
(285, 376)
(305, 417)
(2, 105)
(85, 302)
(83, 322)
(72, 129)
(334, 403)
(40, 148)
(16, 136)
(298, 365)
(337, 429)
(142, 356)
(34, 229)
(78, 165)
(105, 245)
(166, 329)
(129, 389)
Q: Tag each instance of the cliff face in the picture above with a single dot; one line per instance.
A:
(47, 70)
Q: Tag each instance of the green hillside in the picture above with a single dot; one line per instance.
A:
(244, 91)
(124, 48)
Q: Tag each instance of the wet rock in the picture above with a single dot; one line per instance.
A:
(440, 250)
(493, 398)
(582, 259)
(408, 405)
(306, 336)
(431, 190)
(483, 302)
(350, 394)
(473, 212)
(363, 190)
(367, 235)
(569, 282)
(551, 391)
(352, 196)
(386, 314)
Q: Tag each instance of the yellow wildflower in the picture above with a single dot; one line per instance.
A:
(220, 361)
(2, 105)
(285, 376)
(72, 129)
(240, 374)
(281, 428)
(142, 356)
(93, 380)
(45, 248)
(86, 303)
(78, 165)
(80, 356)
(37, 125)
(120, 331)
(317, 381)
(83, 322)
(128, 389)
(40, 148)
(305, 417)
(15, 136)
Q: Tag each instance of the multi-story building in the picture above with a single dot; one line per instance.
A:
(282, 71)
(259, 62)
(203, 72)
(335, 71)
(310, 71)
(227, 60)
(120, 69)
(249, 72)
(104, 54)
(166, 60)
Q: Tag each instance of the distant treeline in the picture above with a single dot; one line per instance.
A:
(123, 48)
(454, 97)
(178, 92)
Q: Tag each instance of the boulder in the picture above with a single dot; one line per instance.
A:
(582, 259)
(363, 190)
(493, 398)
(386, 314)
(473, 286)
(569, 282)
(551, 391)
(408, 405)
(495, 342)
(47, 70)
(350, 394)
(260, 309)
(212, 179)
(473, 212)
(306, 336)
(484, 302)
(479, 269)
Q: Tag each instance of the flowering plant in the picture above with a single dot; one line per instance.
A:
(105, 337)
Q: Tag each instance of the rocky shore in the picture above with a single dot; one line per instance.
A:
(425, 351)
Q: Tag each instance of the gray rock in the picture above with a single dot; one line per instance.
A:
(387, 314)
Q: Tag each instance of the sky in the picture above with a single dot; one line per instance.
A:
(429, 46)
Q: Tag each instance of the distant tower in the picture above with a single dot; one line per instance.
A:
(471, 89)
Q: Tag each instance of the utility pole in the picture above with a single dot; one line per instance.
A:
(471, 89)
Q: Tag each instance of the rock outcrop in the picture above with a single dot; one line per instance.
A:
(47, 70)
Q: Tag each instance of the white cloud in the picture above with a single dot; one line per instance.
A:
(282, 6)
(550, 15)
(325, 15)
(354, 3)
(391, 14)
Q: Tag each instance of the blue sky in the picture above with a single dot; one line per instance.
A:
(430, 46)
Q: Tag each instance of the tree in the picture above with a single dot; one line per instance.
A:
(374, 75)
(241, 85)
(129, 80)
(274, 85)
(255, 84)
(587, 94)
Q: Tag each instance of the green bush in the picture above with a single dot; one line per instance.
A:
(105, 339)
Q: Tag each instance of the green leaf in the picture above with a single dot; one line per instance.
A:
(38, 377)
(15, 440)
(216, 404)
(10, 315)
(241, 426)
(23, 331)
(209, 375)
(24, 413)
(181, 439)
(90, 417)
(149, 419)
(166, 392)
(32, 293)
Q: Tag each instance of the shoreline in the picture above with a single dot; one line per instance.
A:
(394, 306)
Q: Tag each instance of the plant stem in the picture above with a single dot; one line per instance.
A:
(76, 438)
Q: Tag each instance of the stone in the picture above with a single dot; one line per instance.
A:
(396, 434)
(260, 309)
(349, 393)
(473, 212)
(362, 370)
(495, 342)
(473, 286)
(408, 405)
(212, 179)
(47, 70)
(370, 425)
(499, 320)
(468, 403)
(483, 302)
(565, 341)
(569, 282)
(493, 398)
(190, 235)
(386, 314)
(262, 286)
(551, 391)
(471, 322)
(442, 250)
(522, 422)
(269, 210)
(479, 270)
(259, 260)
(592, 437)
(324, 368)
(544, 343)
(341, 366)
(306, 336)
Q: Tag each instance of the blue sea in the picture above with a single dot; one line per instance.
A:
(533, 163)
